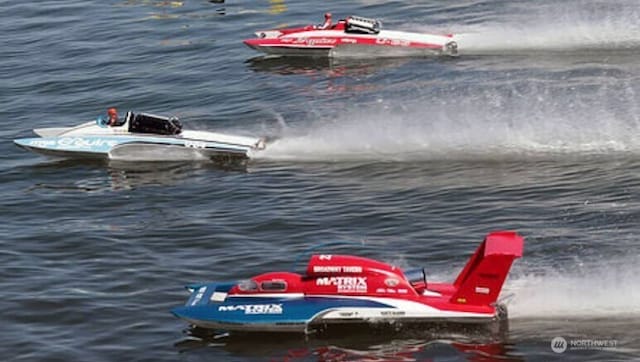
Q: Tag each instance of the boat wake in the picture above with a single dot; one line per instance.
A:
(508, 124)
(583, 292)
(571, 26)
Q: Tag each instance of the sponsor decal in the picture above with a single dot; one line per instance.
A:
(391, 282)
(345, 284)
(393, 42)
(79, 142)
(336, 269)
(392, 291)
(325, 257)
(253, 308)
(352, 269)
(42, 143)
(321, 41)
(218, 297)
(73, 142)
(199, 295)
(348, 41)
(314, 41)
(482, 290)
(392, 313)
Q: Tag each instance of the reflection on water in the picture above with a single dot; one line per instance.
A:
(336, 76)
(157, 3)
(117, 176)
(277, 7)
(354, 344)
(322, 66)
(167, 4)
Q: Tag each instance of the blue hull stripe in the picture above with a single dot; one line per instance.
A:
(267, 310)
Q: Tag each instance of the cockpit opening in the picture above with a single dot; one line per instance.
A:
(148, 123)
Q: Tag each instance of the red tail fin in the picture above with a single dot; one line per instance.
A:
(481, 280)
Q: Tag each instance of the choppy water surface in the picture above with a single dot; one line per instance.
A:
(535, 128)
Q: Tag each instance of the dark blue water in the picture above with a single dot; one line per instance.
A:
(534, 128)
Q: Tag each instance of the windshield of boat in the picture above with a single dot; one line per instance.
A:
(149, 123)
(416, 277)
(248, 285)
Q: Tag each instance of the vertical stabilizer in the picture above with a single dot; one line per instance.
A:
(481, 280)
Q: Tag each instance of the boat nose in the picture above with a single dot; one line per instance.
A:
(24, 142)
(251, 43)
(179, 312)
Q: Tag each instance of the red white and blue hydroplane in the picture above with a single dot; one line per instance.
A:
(344, 289)
(354, 36)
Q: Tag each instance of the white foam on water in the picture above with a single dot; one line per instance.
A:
(609, 289)
(558, 26)
(509, 122)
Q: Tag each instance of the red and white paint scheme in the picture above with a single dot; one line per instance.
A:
(351, 37)
(338, 289)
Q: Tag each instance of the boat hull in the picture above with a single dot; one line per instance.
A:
(349, 51)
(335, 43)
(132, 148)
(210, 307)
(314, 313)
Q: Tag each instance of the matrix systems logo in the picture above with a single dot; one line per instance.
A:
(560, 344)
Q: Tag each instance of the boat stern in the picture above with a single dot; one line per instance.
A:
(451, 48)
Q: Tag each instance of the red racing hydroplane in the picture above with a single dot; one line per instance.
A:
(351, 37)
(344, 289)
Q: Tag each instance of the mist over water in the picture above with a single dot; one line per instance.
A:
(568, 26)
(511, 109)
(579, 291)
(498, 120)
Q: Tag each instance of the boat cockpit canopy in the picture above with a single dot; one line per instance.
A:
(360, 25)
(417, 277)
(149, 123)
